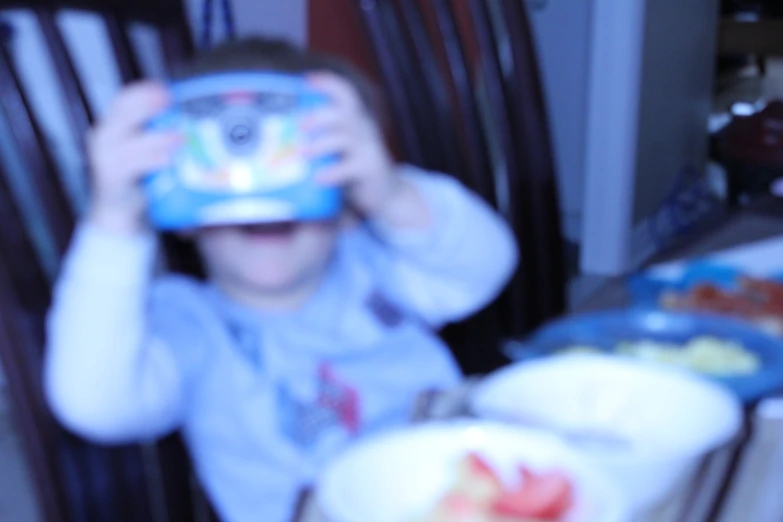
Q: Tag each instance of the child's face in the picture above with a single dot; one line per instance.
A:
(268, 260)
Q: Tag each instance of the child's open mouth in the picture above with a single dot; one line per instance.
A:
(262, 231)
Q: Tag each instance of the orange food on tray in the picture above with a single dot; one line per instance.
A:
(758, 300)
(478, 495)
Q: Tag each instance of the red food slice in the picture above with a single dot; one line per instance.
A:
(455, 507)
(480, 467)
(477, 480)
(545, 496)
(771, 291)
(526, 474)
(476, 469)
(458, 505)
(706, 291)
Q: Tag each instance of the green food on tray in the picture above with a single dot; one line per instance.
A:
(703, 354)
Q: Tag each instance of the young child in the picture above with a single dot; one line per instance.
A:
(306, 335)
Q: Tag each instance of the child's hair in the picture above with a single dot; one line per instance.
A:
(259, 53)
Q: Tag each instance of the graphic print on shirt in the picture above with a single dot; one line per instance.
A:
(246, 341)
(336, 406)
(384, 311)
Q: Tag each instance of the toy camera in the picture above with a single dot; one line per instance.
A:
(241, 160)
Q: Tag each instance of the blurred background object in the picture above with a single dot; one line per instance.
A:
(749, 81)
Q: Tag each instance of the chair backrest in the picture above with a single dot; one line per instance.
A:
(463, 80)
(75, 481)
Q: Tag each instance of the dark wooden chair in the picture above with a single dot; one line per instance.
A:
(463, 82)
(75, 481)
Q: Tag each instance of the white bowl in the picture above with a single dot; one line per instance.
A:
(670, 418)
(401, 475)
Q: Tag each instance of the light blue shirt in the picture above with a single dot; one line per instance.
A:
(265, 400)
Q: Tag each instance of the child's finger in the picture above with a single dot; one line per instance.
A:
(143, 154)
(152, 151)
(132, 108)
(328, 144)
(338, 89)
(342, 173)
(324, 118)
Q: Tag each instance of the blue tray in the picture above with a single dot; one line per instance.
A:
(605, 329)
(646, 288)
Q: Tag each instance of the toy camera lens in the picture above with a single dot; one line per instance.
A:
(241, 130)
(240, 134)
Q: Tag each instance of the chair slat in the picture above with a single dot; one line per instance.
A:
(535, 192)
(408, 134)
(77, 105)
(173, 459)
(30, 283)
(433, 101)
(132, 483)
(176, 42)
(72, 468)
(413, 87)
(154, 12)
(521, 301)
(54, 207)
(77, 481)
(427, 96)
(490, 75)
(20, 357)
(122, 48)
(459, 71)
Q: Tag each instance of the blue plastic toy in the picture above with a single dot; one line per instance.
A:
(242, 159)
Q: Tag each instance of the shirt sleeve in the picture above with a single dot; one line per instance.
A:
(108, 374)
(460, 263)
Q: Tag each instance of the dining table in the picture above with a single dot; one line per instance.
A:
(741, 481)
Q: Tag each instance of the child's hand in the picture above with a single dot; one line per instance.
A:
(346, 129)
(120, 153)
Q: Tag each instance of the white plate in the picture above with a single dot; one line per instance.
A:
(670, 418)
(401, 475)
